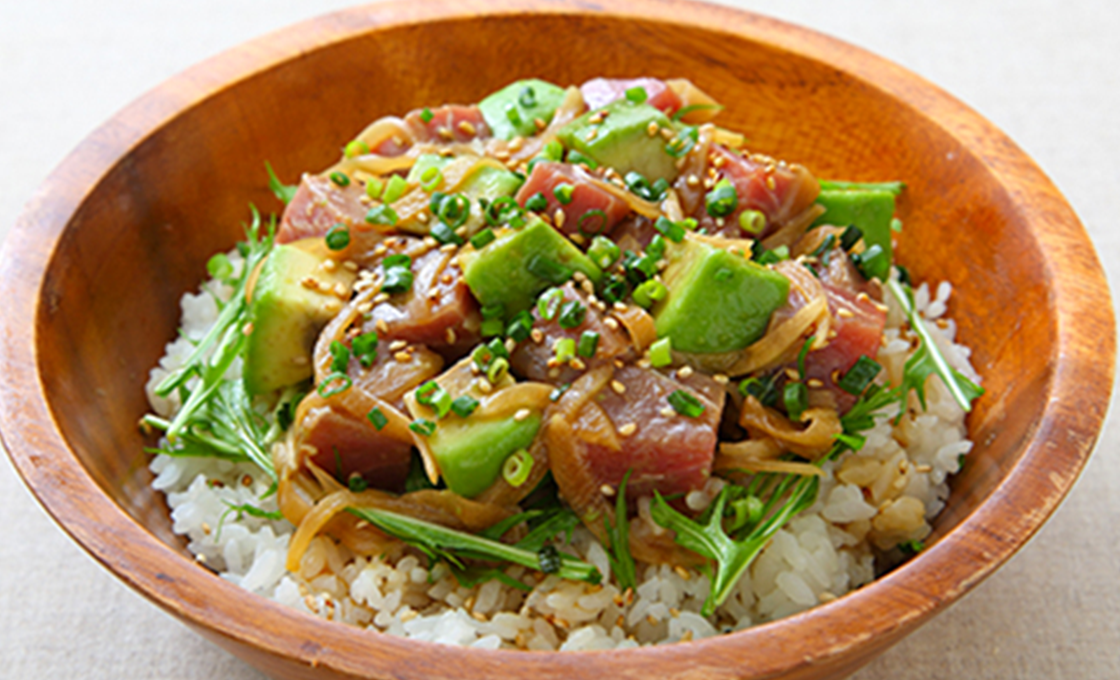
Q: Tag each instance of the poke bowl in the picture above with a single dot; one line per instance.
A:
(79, 357)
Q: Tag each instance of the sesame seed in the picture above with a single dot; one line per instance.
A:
(721, 378)
(380, 250)
(652, 128)
(350, 265)
(247, 480)
(620, 307)
(206, 528)
(466, 128)
(402, 357)
(578, 239)
(666, 133)
(511, 345)
(644, 362)
(628, 429)
(674, 612)
(611, 323)
(923, 468)
(577, 364)
(618, 387)
(684, 372)
(539, 123)
(558, 217)
(718, 161)
(825, 596)
(686, 636)
(845, 313)
(554, 373)
(606, 490)
(536, 335)
(247, 328)
(692, 180)
(792, 373)
(433, 294)
(330, 265)
(450, 336)
(484, 385)
(770, 183)
(397, 345)
(309, 282)
(444, 133)
(200, 558)
(682, 572)
(516, 143)
(448, 248)
(341, 290)
(587, 287)
(300, 360)
(651, 619)
(668, 412)
(814, 383)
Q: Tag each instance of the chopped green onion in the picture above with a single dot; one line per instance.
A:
(576, 158)
(615, 289)
(340, 179)
(548, 304)
(340, 357)
(572, 314)
(850, 237)
(672, 230)
(356, 483)
(722, 200)
(520, 326)
(426, 115)
(483, 238)
(432, 395)
(497, 348)
(661, 353)
(554, 150)
(685, 140)
(219, 266)
(752, 221)
(326, 391)
(911, 547)
(394, 189)
(763, 256)
(873, 263)
(600, 225)
(374, 187)
(444, 234)
(517, 467)
(563, 193)
(498, 369)
(656, 247)
(795, 396)
(382, 214)
(527, 98)
(650, 292)
(859, 376)
(588, 343)
(762, 389)
(637, 94)
(464, 405)
(423, 427)
(537, 202)
(338, 237)
(356, 148)
(603, 251)
(685, 110)
(482, 356)
(454, 210)
(638, 185)
(398, 273)
(564, 350)
(685, 404)
(430, 179)
(378, 418)
(548, 269)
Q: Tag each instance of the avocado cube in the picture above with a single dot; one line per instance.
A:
(869, 209)
(718, 301)
(513, 110)
(287, 316)
(617, 136)
(424, 162)
(520, 263)
(471, 451)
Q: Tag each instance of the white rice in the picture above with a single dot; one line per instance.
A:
(870, 501)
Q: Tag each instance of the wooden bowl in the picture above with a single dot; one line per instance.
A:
(92, 273)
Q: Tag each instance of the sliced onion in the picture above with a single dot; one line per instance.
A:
(639, 324)
(690, 95)
(812, 441)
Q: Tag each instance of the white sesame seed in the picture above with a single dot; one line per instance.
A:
(628, 429)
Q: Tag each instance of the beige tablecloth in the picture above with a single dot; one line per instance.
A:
(1045, 72)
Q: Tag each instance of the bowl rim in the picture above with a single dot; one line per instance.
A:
(1079, 386)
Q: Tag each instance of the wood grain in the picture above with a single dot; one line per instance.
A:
(92, 273)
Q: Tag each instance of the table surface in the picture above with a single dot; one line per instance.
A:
(1046, 72)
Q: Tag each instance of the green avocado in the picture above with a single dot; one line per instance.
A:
(520, 263)
(621, 139)
(287, 315)
(718, 301)
(487, 182)
(513, 110)
(868, 207)
(471, 452)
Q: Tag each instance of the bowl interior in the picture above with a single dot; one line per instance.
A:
(194, 153)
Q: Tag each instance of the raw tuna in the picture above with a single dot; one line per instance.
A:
(667, 451)
(598, 92)
(586, 197)
(318, 205)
